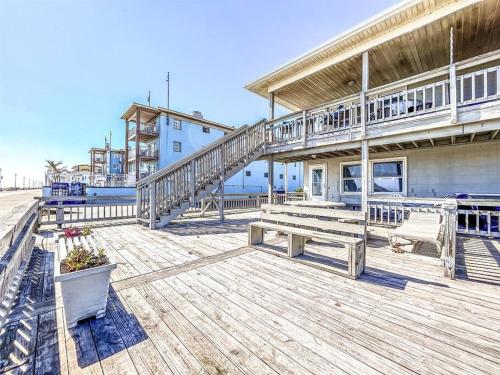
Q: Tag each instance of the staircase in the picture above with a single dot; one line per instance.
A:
(168, 193)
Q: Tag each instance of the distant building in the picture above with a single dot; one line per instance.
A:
(81, 168)
(166, 136)
(106, 160)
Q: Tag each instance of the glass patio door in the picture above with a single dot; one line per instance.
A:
(317, 182)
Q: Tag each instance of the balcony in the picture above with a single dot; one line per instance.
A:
(145, 154)
(147, 132)
(403, 107)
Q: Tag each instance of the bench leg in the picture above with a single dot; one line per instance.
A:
(255, 235)
(356, 260)
(295, 245)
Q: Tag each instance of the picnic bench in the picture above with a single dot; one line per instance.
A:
(420, 227)
(301, 223)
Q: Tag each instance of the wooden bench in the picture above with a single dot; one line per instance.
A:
(420, 227)
(301, 223)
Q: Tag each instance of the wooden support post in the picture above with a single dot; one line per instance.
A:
(192, 182)
(152, 205)
(125, 162)
(453, 83)
(255, 235)
(222, 179)
(304, 130)
(270, 179)
(296, 244)
(364, 89)
(271, 106)
(137, 156)
(286, 181)
(364, 176)
(449, 250)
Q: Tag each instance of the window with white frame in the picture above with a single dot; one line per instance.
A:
(388, 176)
(177, 124)
(177, 146)
(350, 178)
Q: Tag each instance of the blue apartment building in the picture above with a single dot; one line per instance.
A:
(166, 136)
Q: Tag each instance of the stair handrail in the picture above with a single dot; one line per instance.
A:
(164, 171)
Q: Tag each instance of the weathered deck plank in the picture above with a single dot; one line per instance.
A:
(193, 299)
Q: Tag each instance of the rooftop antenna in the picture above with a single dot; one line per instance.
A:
(110, 139)
(149, 98)
(168, 90)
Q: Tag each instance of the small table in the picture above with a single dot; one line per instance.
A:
(316, 204)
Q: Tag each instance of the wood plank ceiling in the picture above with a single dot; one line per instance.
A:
(477, 30)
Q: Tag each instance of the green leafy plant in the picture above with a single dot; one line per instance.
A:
(86, 230)
(299, 190)
(80, 259)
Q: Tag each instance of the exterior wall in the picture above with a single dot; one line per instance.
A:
(115, 162)
(431, 172)
(190, 135)
(257, 182)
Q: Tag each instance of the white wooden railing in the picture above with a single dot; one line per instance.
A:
(245, 201)
(68, 210)
(345, 114)
(166, 189)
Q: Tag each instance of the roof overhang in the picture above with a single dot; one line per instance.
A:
(150, 113)
(407, 39)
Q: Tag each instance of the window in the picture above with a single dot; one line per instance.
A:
(248, 173)
(351, 178)
(294, 177)
(388, 176)
(266, 175)
(281, 176)
(177, 124)
(206, 129)
(177, 146)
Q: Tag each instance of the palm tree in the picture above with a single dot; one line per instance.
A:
(56, 169)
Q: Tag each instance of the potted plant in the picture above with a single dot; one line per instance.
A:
(84, 277)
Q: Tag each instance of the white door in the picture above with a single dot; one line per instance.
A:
(317, 182)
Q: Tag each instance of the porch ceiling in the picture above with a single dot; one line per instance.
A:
(472, 138)
(331, 72)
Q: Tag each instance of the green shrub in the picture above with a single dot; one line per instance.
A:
(86, 230)
(80, 259)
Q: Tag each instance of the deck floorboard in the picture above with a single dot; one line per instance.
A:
(194, 299)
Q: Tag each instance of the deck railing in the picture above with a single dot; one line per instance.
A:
(345, 114)
(68, 210)
(151, 129)
(245, 201)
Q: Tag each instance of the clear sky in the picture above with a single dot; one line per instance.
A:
(70, 68)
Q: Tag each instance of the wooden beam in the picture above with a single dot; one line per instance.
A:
(453, 139)
(125, 161)
(472, 136)
(370, 44)
(432, 142)
(270, 179)
(415, 144)
(401, 147)
(286, 179)
(271, 106)
(137, 156)
(494, 134)
(385, 147)
(364, 176)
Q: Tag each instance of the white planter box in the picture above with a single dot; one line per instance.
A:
(85, 293)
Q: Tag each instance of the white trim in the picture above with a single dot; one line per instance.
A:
(348, 193)
(405, 175)
(404, 159)
(324, 166)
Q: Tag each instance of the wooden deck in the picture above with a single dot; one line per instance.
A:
(192, 299)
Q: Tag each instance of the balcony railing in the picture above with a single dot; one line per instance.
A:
(143, 152)
(150, 129)
(471, 88)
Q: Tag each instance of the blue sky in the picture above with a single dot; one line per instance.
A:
(69, 69)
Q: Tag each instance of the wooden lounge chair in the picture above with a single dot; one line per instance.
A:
(420, 227)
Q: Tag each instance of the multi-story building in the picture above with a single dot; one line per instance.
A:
(406, 104)
(106, 160)
(166, 136)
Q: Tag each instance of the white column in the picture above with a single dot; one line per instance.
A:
(271, 106)
(270, 179)
(364, 142)
(222, 180)
(364, 175)
(453, 83)
(152, 205)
